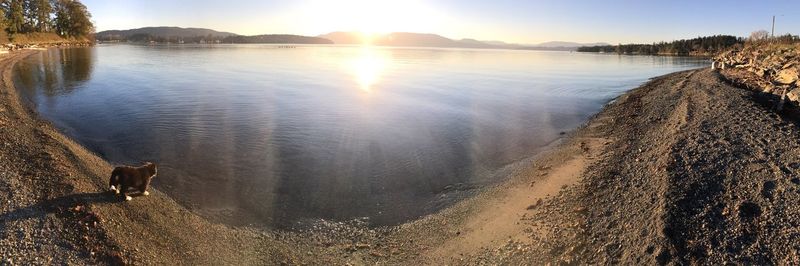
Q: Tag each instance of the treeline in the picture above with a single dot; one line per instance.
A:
(763, 36)
(698, 46)
(269, 38)
(66, 18)
(277, 38)
(144, 37)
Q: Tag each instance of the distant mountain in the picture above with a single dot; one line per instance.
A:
(161, 32)
(554, 46)
(472, 43)
(277, 38)
(568, 44)
(342, 37)
(433, 40)
(414, 39)
(406, 39)
(198, 35)
(395, 39)
(402, 39)
(499, 43)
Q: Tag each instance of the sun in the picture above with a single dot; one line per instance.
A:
(369, 37)
(369, 17)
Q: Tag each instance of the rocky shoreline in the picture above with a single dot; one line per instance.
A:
(769, 68)
(684, 169)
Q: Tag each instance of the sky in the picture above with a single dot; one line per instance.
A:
(526, 22)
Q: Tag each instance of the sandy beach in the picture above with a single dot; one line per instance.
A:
(684, 169)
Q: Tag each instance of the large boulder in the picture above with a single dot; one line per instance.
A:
(787, 76)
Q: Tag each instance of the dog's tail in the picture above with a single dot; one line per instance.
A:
(113, 181)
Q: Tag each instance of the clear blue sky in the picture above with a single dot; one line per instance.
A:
(528, 21)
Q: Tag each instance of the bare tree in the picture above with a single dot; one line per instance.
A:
(759, 35)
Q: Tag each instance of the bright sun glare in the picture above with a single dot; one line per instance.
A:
(368, 66)
(370, 17)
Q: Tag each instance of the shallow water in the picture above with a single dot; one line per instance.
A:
(268, 135)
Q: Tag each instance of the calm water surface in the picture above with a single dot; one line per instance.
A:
(267, 135)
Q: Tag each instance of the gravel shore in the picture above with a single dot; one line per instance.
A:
(684, 169)
(698, 172)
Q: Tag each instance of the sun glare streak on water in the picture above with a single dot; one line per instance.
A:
(368, 66)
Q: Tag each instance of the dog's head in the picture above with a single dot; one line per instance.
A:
(152, 168)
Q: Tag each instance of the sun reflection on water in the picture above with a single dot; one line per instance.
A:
(368, 67)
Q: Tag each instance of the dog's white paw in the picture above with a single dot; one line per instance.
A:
(146, 193)
(112, 188)
(127, 198)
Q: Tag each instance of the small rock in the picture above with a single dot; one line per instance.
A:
(787, 76)
(533, 206)
(794, 95)
(769, 88)
(377, 254)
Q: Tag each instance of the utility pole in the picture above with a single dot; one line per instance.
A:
(773, 26)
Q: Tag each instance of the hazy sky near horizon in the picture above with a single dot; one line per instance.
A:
(531, 21)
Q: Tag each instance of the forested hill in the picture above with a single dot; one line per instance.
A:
(162, 34)
(199, 35)
(698, 46)
(277, 38)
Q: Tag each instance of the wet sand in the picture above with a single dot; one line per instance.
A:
(682, 169)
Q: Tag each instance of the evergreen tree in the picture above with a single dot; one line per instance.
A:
(42, 9)
(696, 46)
(16, 16)
(61, 22)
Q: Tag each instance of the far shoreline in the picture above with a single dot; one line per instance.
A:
(300, 45)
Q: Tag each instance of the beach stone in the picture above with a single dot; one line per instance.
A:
(769, 88)
(787, 76)
(794, 95)
(760, 72)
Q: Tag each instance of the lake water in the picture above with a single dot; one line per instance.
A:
(267, 135)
